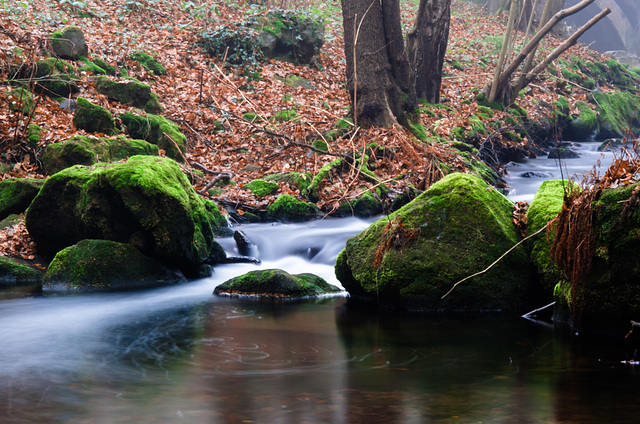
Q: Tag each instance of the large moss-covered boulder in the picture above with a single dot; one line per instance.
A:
(146, 201)
(69, 43)
(276, 283)
(16, 194)
(131, 93)
(96, 265)
(610, 295)
(582, 126)
(545, 206)
(15, 274)
(82, 150)
(93, 118)
(157, 130)
(457, 228)
(616, 112)
(287, 208)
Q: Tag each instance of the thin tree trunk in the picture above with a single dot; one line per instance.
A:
(427, 45)
(503, 53)
(398, 58)
(502, 86)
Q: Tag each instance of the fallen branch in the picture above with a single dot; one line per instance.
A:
(223, 176)
(494, 262)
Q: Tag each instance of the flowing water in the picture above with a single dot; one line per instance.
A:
(179, 354)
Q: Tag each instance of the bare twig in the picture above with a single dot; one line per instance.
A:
(494, 262)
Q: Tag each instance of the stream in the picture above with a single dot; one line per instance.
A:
(179, 354)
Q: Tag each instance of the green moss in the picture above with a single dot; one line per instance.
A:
(157, 130)
(286, 115)
(320, 145)
(276, 283)
(91, 67)
(252, 117)
(93, 118)
(457, 65)
(96, 265)
(289, 209)
(485, 112)
(34, 134)
(145, 195)
(102, 64)
(261, 188)
(16, 194)
(13, 273)
(148, 63)
(345, 123)
(584, 125)
(572, 76)
(456, 228)
(364, 206)
(545, 206)
(132, 93)
(616, 113)
(311, 190)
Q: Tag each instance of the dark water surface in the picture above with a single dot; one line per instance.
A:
(159, 357)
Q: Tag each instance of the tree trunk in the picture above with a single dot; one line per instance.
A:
(427, 44)
(375, 97)
(382, 78)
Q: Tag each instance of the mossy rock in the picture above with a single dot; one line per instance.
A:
(146, 200)
(55, 77)
(364, 206)
(82, 150)
(287, 208)
(93, 118)
(413, 257)
(91, 67)
(149, 63)
(545, 206)
(15, 274)
(584, 125)
(611, 144)
(157, 130)
(562, 152)
(261, 188)
(296, 81)
(616, 112)
(276, 283)
(21, 100)
(102, 64)
(16, 194)
(290, 36)
(103, 265)
(69, 43)
(610, 297)
(131, 93)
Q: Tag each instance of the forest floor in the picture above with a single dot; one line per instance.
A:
(200, 91)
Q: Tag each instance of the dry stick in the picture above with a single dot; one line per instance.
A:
(496, 261)
(164, 134)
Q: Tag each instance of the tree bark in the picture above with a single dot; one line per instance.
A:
(427, 44)
(375, 97)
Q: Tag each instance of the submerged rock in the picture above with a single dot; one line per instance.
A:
(98, 265)
(411, 258)
(276, 283)
(146, 201)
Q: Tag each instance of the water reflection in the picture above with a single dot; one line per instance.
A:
(221, 360)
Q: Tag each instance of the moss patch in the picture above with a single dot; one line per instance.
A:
(287, 208)
(132, 93)
(13, 273)
(261, 188)
(93, 118)
(16, 194)
(149, 63)
(157, 130)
